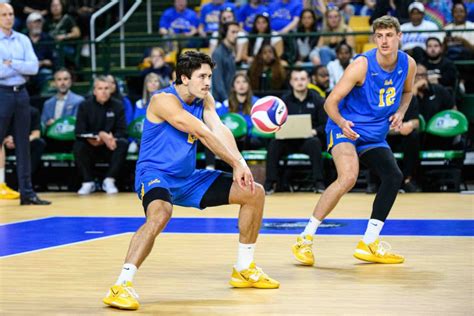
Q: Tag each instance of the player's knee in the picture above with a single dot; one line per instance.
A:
(394, 177)
(347, 181)
(259, 193)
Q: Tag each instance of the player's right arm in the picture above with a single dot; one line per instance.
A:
(166, 107)
(354, 75)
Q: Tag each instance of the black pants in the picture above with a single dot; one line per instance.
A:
(86, 155)
(410, 146)
(278, 148)
(15, 108)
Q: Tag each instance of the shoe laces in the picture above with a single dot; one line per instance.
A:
(256, 274)
(383, 248)
(131, 291)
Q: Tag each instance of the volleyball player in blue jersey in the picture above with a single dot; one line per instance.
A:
(166, 175)
(371, 98)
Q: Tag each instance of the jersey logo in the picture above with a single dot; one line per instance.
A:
(191, 139)
(340, 135)
(400, 71)
(374, 73)
(154, 181)
(388, 82)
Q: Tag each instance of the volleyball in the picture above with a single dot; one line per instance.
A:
(269, 114)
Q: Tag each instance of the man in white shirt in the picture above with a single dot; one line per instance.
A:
(415, 43)
(337, 66)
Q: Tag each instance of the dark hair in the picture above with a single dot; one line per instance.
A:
(456, 3)
(257, 68)
(434, 38)
(225, 28)
(221, 24)
(341, 45)
(298, 69)
(316, 69)
(254, 32)
(189, 62)
(62, 69)
(234, 103)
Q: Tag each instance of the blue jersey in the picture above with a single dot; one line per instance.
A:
(370, 105)
(247, 15)
(281, 14)
(210, 15)
(166, 149)
(179, 22)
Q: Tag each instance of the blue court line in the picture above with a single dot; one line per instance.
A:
(50, 232)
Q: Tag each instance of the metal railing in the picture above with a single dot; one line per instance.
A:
(122, 19)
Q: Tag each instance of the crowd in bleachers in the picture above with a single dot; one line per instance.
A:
(261, 47)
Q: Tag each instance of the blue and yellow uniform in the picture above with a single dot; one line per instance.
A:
(370, 105)
(167, 160)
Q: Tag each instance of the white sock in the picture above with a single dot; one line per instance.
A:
(127, 274)
(311, 227)
(245, 256)
(374, 226)
(2, 175)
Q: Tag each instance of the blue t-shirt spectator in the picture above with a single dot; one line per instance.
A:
(281, 14)
(210, 15)
(179, 22)
(247, 14)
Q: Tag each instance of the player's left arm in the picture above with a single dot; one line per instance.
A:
(222, 132)
(397, 118)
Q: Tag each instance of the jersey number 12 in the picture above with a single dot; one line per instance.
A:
(386, 96)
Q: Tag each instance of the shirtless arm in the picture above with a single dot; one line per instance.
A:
(354, 75)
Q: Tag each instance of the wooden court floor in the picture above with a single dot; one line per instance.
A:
(188, 274)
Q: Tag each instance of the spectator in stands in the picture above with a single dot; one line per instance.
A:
(116, 93)
(209, 21)
(407, 141)
(325, 50)
(227, 15)
(241, 100)
(64, 103)
(267, 71)
(23, 8)
(336, 67)
(396, 8)
(101, 133)
(158, 66)
(6, 193)
(179, 20)
(82, 11)
(248, 12)
(261, 26)
(37, 144)
(415, 43)
(151, 84)
(440, 69)
(224, 57)
(460, 44)
(308, 23)
(321, 81)
(285, 15)
(432, 97)
(63, 28)
(42, 44)
(300, 100)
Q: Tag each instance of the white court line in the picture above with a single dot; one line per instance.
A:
(64, 245)
(27, 220)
